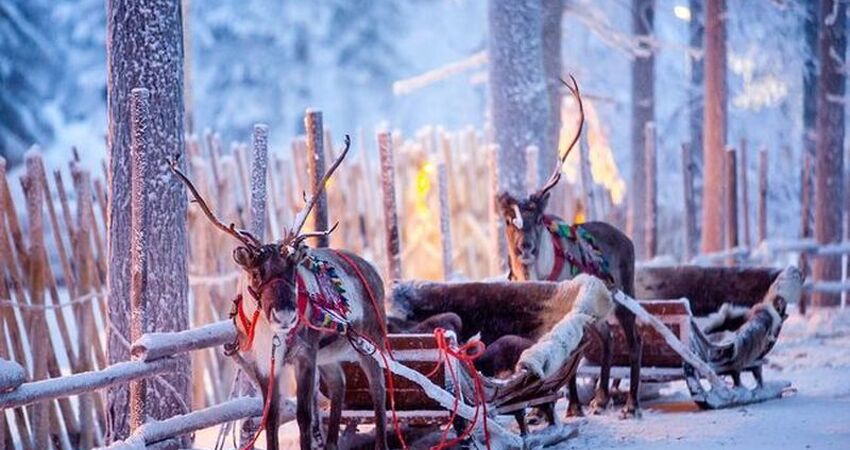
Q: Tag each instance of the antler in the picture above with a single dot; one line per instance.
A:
(295, 236)
(556, 174)
(243, 236)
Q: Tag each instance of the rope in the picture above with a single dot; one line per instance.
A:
(195, 280)
(387, 347)
(26, 306)
(465, 354)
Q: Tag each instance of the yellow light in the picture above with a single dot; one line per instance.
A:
(682, 13)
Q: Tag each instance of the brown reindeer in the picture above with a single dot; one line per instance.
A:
(308, 307)
(543, 247)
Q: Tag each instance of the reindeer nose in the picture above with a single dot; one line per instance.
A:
(526, 246)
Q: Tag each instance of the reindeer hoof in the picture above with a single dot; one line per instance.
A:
(598, 405)
(574, 410)
(630, 412)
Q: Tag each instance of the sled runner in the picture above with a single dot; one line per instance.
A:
(729, 318)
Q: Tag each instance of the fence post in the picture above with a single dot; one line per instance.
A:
(498, 252)
(731, 203)
(651, 191)
(805, 229)
(259, 174)
(690, 228)
(316, 170)
(35, 320)
(385, 146)
(445, 219)
(743, 174)
(763, 163)
(158, 291)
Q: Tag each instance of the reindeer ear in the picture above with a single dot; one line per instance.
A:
(541, 201)
(243, 257)
(505, 201)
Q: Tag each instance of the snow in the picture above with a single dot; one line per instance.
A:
(813, 353)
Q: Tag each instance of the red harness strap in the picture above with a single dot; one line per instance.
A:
(248, 326)
(560, 258)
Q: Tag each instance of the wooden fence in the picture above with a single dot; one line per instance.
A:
(438, 222)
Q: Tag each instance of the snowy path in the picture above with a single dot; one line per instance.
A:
(813, 353)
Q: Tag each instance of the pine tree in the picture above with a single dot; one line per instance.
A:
(28, 76)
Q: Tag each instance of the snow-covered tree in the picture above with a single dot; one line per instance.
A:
(145, 49)
(28, 75)
(829, 198)
(518, 95)
(643, 112)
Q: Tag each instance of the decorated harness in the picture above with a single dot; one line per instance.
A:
(576, 249)
(325, 309)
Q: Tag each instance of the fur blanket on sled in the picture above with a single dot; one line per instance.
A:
(591, 302)
(734, 337)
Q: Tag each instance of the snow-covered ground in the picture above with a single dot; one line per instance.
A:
(813, 353)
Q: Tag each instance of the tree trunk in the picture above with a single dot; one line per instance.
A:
(145, 49)
(715, 125)
(696, 106)
(810, 101)
(829, 200)
(519, 99)
(643, 112)
(553, 13)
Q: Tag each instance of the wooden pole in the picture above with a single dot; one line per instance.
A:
(731, 202)
(139, 170)
(762, 217)
(259, 173)
(393, 238)
(36, 320)
(651, 192)
(806, 224)
(498, 251)
(158, 278)
(445, 220)
(316, 170)
(690, 228)
(743, 174)
(84, 313)
(590, 212)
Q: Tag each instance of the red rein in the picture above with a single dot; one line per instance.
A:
(465, 354)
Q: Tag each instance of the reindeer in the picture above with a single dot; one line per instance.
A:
(289, 284)
(536, 249)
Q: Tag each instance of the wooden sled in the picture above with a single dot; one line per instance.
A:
(425, 398)
(698, 292)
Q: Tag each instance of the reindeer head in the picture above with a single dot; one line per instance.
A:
(524, 217)
(271, 268)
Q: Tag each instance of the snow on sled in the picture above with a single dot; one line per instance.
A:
(729, 318)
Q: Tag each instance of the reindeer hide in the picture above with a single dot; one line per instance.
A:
(592, 301)
(493, 309)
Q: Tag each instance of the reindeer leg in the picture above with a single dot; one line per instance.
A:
(335, 381)
(574, 404)
(633, 341)
(758, 376)
(305, 374)
(273, 419)
(600, 401)
(375, 375)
